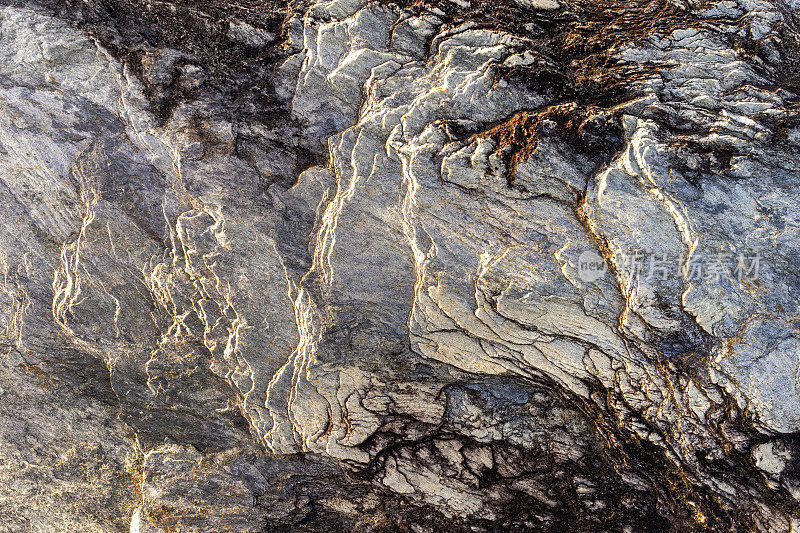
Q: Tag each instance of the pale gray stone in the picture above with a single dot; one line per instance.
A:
(339, 282)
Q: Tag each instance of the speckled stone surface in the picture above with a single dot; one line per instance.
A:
(377, 267)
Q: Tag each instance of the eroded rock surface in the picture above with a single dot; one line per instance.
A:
(443, 266)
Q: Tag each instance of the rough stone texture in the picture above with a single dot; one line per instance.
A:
(318, 266)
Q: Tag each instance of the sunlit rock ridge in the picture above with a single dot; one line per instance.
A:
(527, 265)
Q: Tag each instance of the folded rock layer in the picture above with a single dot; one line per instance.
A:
(372, 266)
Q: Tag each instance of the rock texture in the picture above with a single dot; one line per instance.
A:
(527, 265)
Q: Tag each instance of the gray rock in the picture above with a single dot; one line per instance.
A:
(418, 268)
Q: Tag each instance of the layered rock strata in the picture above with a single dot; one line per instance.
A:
(357, 266)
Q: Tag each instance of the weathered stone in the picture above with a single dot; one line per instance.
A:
(445, 266)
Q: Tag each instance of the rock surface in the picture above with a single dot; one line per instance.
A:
(441, 266)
